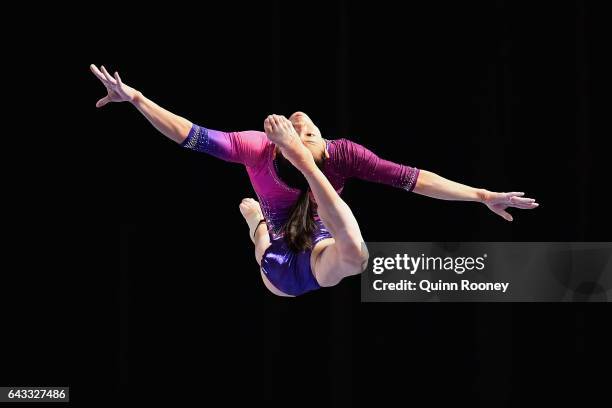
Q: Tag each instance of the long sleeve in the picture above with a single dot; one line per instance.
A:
(351, 159)
(239, 147)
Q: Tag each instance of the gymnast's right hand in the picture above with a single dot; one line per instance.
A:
(117, 90)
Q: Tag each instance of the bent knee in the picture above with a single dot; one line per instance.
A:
(260, 251)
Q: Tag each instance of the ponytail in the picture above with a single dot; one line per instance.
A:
(300, 225)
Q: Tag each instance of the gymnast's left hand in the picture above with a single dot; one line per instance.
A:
(499, 202)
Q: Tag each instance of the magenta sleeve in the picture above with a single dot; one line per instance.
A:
(353, 160)
(239, 147)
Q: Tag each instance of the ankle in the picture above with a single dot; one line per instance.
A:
(258, 228)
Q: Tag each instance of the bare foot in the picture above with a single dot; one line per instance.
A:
(281, 132)
(251, 211)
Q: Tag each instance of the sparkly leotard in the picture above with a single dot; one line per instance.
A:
(290, 272)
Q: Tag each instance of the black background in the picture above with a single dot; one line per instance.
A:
(494, 94)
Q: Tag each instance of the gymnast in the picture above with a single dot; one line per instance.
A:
(305, 235)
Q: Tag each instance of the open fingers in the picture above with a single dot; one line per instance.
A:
(527, 206)
(503, 213)
(521, 200)
(118, 78)
(98, 74)
(102, 102)
(523, 203)
(107, 75)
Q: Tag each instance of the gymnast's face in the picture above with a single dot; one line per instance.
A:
(309, 133)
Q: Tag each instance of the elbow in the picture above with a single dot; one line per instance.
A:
(356, 254)
(424, 182)
(181, 132)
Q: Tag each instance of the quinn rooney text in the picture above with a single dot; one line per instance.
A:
(440, 286)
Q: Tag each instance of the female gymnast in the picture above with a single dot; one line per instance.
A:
(305, 235)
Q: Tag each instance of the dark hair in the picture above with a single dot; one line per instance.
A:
(298, 228)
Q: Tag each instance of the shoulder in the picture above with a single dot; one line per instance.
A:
(341, 150)
(340, 155)
(255, 146)
(342, 144)
(255, 135)
(338, 147)
(253, 139)
(337, 143)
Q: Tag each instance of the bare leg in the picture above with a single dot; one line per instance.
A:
(251, 211)
(347, 254)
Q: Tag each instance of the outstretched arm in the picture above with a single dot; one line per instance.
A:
(432, 185)
(354, 160)
(239, 147)
(170, 125)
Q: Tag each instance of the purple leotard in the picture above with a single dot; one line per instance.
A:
(288, 271)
